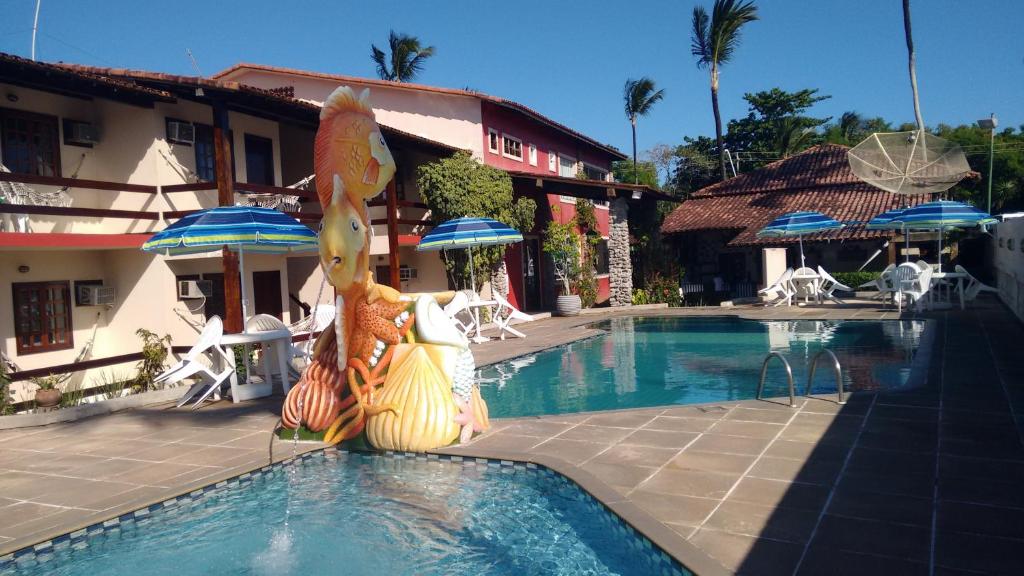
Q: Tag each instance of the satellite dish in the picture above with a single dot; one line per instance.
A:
(914, 162)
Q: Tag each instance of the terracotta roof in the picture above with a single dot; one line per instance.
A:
(817, 179)
(24, 66)
(424, 88)
(597, 188)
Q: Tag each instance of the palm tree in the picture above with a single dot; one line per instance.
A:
(407, 58)
(639, 96)
(713, 42)
(913, 68)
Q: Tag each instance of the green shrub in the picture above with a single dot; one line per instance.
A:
(5, 400)
(660, 290)
(154, 354)
(854, 279)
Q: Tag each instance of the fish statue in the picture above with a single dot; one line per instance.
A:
(394, 370)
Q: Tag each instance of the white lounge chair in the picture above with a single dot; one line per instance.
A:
(456, 309)
(505, 314)
(191, 365)
(829, 285)
(970, 287)
(780, 292)
(883, 284)
(919, 292)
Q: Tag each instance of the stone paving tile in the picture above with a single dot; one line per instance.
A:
(777, 492)
(649, 456)
(809, 472)
(625, 478)
(775, 522)
(674, 508)
(626, 419)
(588, 433)
(697, 483)
(748, 554)
(572, 451)
(537, 428)
(730, 444)
(749, 429)
(680, 424)
(834, 562)
(873, 537)
(973, 552)
(854, 501)
(659, 438)
(755, 415)
(692, 459)
(21, 512)
(982, 520)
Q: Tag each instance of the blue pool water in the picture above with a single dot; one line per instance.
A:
(641, 362)
(372, 515)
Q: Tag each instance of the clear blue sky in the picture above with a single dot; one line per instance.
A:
(569, 59)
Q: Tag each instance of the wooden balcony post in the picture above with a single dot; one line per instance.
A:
(392, 210)
(226, 197)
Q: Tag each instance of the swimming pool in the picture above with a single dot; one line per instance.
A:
(370, 514)
(642, 362)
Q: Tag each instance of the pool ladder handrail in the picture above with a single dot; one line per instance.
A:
(789, 376)
(837, 369)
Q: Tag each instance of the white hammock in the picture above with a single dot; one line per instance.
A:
(18, 193)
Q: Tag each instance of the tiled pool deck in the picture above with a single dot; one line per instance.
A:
(928, 481)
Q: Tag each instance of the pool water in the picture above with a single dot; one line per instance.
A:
(641, 362)
(373, 515)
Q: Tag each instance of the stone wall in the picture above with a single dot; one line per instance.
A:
(1008, 259)
(620, 269)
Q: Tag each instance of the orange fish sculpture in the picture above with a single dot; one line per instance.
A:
(395, 369)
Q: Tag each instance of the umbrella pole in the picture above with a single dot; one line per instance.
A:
(906, 240)
(245, 291)
(800, 238)
(940, 249)
(472, 278)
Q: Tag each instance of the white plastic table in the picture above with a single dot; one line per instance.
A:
(273, 344)
(807, 281)
(956, 278)
(474, 306)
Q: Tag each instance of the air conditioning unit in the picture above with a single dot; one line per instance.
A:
(80, 133)
(181, 132)
(95, 295)
(188, 289)
(406, 273)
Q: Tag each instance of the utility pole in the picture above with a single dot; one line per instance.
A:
(990, 123)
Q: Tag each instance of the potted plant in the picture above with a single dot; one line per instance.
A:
(47, 394)
(562, 244)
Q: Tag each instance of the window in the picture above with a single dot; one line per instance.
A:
(594, 173)
(513, 147)
(42, 316)
(492, 140)
(601, 257)
(552, 162)
(206, 158)
(30, 143)
(566, 166)
(533, 154)
(259, 160)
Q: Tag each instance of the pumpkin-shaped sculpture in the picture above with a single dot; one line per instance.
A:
(420, 387)
(320, 406)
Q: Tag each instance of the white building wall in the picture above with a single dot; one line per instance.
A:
(1008, 258)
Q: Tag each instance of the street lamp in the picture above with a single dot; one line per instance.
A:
(990, 124)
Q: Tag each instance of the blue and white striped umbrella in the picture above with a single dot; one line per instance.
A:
(886, 220)
(943, 215)
(241, 228)
(797, 224)
(467, 233)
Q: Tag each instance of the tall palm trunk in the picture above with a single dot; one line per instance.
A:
(913, 68)
(718, 119)
(636, 177)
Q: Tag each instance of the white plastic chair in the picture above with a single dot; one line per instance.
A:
(829, 285)
(970, 289)
(454, 309)
(505, 314)
(919, 292)
(191, 365)
(904, 280)
(781, 291)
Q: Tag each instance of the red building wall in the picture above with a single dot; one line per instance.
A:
(547, 140)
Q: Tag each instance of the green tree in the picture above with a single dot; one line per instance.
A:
(562, 244)
(852, 128)
(405, 60)
(1007, 166)
(713, 42)
(776, 125)
(461, 186)
(639, 97)
(645, 173)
